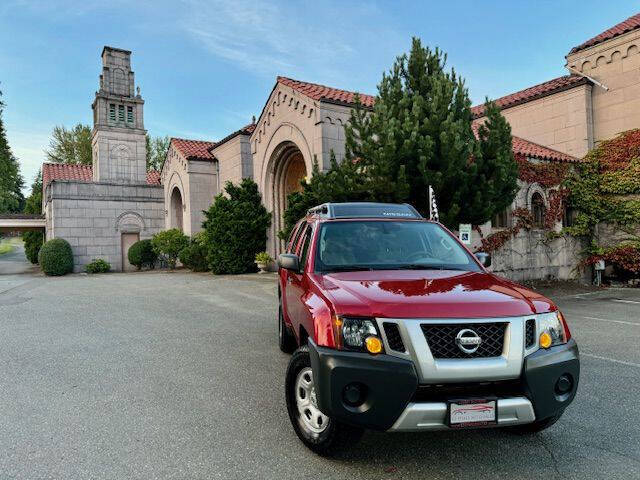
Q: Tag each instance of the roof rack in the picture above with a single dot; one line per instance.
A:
(365, 210)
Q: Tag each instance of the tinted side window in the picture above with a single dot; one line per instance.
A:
(295, 236)
(304, 251)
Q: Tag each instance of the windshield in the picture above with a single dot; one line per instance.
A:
(389, 245)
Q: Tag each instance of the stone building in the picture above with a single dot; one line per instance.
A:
(556, 121)
(102, 209)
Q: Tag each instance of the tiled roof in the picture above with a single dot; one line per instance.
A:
(327, 94)
(65, 171)
(527, 148)
(153, 177)
(537, 91)
(193, 149)
(80, 173)
(246, 130)
(629, 24)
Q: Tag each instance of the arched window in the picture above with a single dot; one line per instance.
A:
(537, 210)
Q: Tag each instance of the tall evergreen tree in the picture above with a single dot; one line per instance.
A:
(11, 182)
(70, 145)
(497, 172)
(419, 133)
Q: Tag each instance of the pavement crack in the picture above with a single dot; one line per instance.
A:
(554, 460)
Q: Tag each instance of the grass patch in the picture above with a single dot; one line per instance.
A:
(7, 244)
(5, 248)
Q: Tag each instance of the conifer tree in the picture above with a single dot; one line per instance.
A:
(419, 133)
(11, 182)
(497, 169)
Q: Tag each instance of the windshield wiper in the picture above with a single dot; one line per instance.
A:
(348, 268)
(422, 266)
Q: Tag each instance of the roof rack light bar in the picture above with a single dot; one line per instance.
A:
(365, 210)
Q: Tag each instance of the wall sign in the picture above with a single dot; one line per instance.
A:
(464, 233)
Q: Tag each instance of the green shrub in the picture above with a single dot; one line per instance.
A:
(263, 257)
(32, 244)
(142, 254)
(55, 257)
(194, 256)
(169, 244)
(236, 229)
(98, 266)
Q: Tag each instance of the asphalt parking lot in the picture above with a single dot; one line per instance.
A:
(178, 375)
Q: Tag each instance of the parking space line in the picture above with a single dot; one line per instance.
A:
(625, 301)
(578, 316)
(622, 362)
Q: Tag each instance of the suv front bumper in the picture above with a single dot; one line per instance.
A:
(388, 387)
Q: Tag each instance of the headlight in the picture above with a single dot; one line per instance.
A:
(357, 334)
(552, 330)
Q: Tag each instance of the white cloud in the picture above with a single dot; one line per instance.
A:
(263, 37)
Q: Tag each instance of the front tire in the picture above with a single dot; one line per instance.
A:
(319, 432)
(286, 339)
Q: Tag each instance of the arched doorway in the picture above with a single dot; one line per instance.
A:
(289, 171)
(176, 209)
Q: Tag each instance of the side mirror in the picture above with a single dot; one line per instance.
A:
(484, 258)
(289, 261)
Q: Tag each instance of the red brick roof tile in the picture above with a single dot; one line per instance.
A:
(629, 24)
(65, 171)
(527, 148)
(193, 149)
(537, 91)
(326, 94)
(80, 173)
(153, 177)
(246, 130)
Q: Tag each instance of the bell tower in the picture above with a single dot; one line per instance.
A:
(118, 138)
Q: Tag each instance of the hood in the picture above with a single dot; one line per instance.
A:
(429, 294)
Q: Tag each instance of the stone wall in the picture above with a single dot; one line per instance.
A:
(561, 121)
(529, 256)
(616, 64)
(93, 216)
(234, 160)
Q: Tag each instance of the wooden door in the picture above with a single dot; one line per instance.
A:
(128, 239)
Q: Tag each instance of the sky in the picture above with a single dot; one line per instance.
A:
(206, 66)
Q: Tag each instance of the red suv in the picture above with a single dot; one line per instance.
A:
(397, 326)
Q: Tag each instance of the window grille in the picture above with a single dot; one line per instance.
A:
(502, 219)
(537, 210)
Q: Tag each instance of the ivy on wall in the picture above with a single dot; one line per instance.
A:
(605, 189)
(548, 175)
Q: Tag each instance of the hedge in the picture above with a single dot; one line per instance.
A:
(98, 266)
(194, 256)
(142, 254)
(236, 229)
(56, 258)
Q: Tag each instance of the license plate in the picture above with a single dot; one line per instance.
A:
(472, 413)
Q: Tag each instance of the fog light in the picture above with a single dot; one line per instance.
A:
(564, 384)
(373, 344)
(353, 394)
(545, 340)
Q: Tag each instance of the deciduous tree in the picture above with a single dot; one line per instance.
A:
(70, 145)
